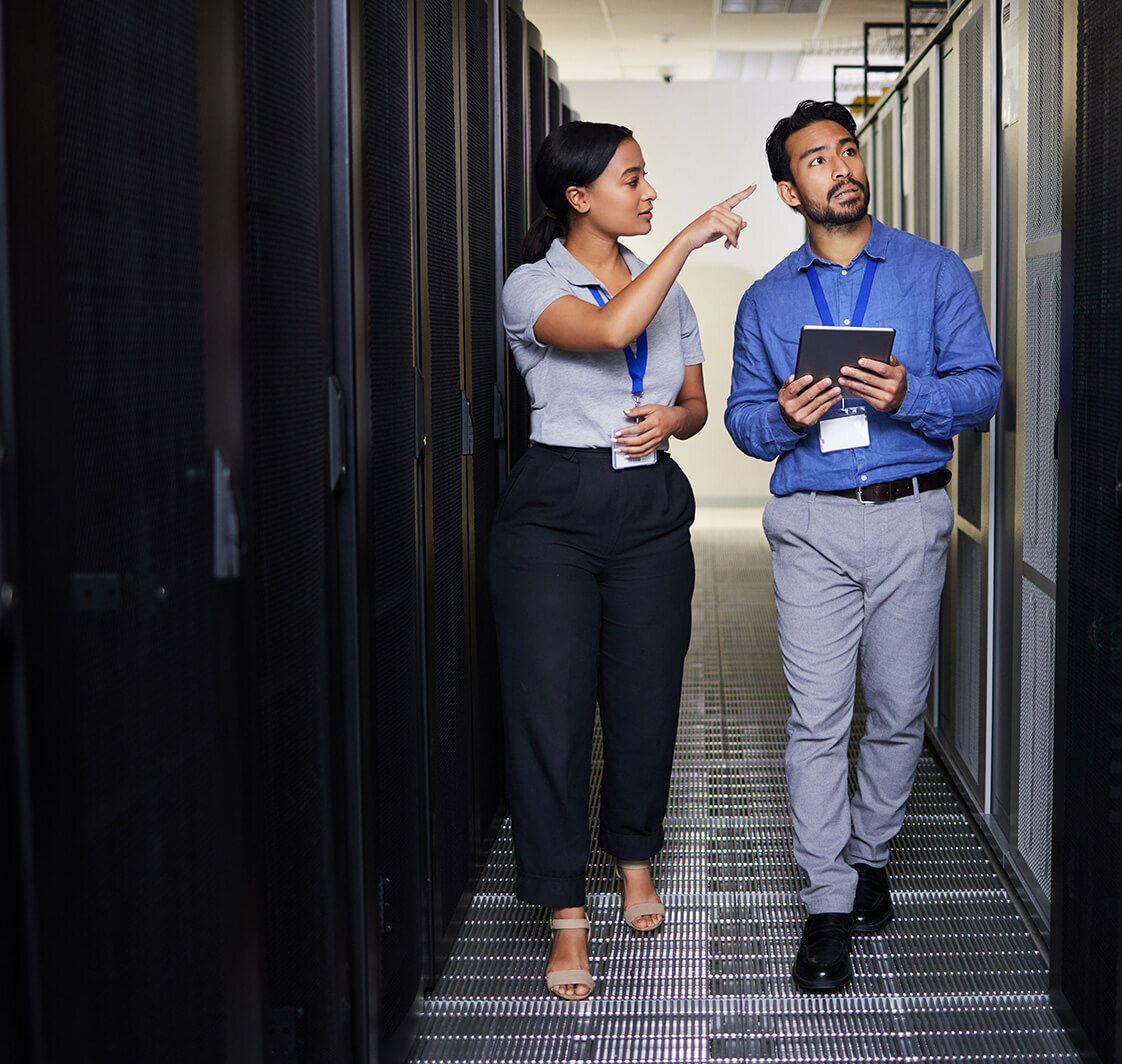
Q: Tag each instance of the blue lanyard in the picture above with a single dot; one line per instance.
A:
(636, 359)
(858, 318)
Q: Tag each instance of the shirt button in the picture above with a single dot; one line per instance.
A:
(846, 321)
(863, 477)
(844, 272)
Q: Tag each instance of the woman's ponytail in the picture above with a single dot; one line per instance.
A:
(573, 155)
(541, 235)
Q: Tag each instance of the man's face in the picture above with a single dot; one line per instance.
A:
(830, 185)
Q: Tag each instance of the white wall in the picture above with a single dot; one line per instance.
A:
(702, 141)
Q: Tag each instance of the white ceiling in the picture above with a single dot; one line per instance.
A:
(690, 40)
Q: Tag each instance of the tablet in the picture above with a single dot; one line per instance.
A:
(824, 349)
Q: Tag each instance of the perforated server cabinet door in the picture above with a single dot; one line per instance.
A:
(1026, 520)
(388, 540)
(537, 99)
(553, 100)
(519, 163)
(888, 163)
(923, 151)
(867, 138)
(16, 1021)
(484, 266)
(1087, 883)
(967, 114)
(145, 923)
(451, 848)
(293, 712)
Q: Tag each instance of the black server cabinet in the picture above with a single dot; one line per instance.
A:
(1087, 827)
(293, 725)
(537, 98)
(447, 421)
(143, 930)
(388, 429)
(518, 181)
(484, 276)
(16, 980)
(18, 1007)
(553, 99)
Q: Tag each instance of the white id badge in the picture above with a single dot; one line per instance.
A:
(843, 433)
(623, 461)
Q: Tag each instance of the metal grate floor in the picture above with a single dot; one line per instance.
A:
(956, 976)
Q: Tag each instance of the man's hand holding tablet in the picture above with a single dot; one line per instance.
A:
(882, 385)
(803, 400)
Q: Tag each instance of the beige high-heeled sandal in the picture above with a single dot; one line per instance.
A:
(643, 908)
(571, 976)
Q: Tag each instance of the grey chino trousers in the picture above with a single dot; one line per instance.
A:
(853, 578)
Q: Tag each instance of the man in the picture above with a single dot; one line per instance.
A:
(858, 522)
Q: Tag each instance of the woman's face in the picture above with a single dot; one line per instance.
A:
(619, 201)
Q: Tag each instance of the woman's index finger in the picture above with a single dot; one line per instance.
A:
(739, 197)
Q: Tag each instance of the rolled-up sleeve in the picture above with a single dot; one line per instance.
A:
(963, 391)
(753, 417)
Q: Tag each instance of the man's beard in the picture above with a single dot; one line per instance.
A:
(837, 215)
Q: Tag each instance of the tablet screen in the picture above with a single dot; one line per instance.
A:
(824, 349)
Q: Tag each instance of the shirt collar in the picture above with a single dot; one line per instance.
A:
(563, 264)
(875, 247)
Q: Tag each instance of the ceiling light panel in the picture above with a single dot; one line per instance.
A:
(770, 7)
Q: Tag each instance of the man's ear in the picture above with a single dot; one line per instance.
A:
(789, 194)
(577, 199)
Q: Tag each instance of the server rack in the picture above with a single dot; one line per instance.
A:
(483, 255)
(293, 693)
(1027, 715)
(270, 286)
(1030, 215)
(442, 340)
(19, 979)
(867, 140)
(553, 98)
(887, 179)
(964, 712)
(124, 394)
(921, 115)
(387, 424)
(961, 182)
(1087, 849)
(518, 180)
(537, 99)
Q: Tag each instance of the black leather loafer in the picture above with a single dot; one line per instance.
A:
(872, 905)
(822, 963)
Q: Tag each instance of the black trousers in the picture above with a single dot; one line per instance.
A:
(591, 578)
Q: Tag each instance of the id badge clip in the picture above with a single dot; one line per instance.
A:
(849, 430)
(623, 461)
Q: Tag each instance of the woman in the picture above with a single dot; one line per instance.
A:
(591, 565)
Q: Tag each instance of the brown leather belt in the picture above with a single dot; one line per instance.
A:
(890, 490)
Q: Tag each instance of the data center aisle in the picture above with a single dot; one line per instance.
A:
(955, 977)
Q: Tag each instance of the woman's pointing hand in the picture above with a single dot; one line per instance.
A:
(719, 221)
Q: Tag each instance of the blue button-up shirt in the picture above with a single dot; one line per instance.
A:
(927, 295)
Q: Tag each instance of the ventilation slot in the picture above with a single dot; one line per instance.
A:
(971, 148)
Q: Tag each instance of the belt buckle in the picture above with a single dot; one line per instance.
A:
(863, 501)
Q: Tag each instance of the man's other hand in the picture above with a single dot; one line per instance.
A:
(802, 402)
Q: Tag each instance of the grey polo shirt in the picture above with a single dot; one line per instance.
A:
(578, 398)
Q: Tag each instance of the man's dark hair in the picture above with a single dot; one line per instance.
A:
(807, 112)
